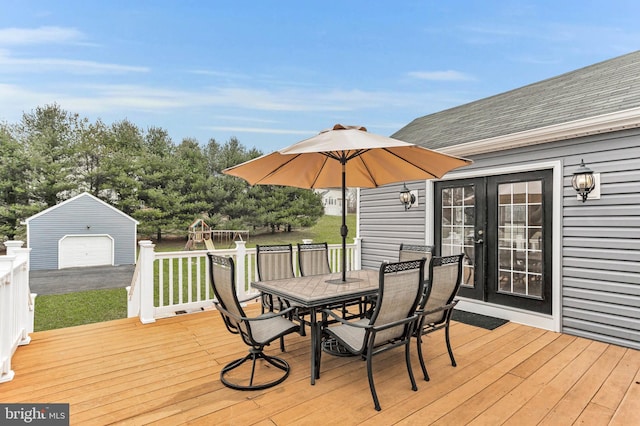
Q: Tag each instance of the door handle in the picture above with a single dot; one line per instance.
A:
(479, 241)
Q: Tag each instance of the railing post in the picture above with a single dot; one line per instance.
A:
(16, 305)
(146, 281)
(26, 311)
(241, 269)
(7, 317)
(357, 255)
(12, 246)
(133, 292)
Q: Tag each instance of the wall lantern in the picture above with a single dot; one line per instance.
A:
(407, 197)
(583, 181)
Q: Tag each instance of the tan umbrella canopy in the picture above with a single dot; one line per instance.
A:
(342, 157)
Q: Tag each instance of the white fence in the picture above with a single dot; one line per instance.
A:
(169, 283)
(16, 305)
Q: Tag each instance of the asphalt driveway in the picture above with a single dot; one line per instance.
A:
(70, 280)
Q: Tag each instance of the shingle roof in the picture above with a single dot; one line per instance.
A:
(606, 87)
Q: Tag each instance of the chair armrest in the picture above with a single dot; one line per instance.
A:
(249, 319)
(403, 321)
(344, 321)
(254, 297)
(438, 309)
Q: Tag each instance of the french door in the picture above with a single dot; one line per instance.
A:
(502, 224)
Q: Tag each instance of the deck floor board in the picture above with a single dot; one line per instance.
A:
(167, 373)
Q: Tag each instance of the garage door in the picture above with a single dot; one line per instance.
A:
(85, 250)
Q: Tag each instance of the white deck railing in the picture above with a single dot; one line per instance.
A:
(169, 283)
(16, 305)
(164, 284)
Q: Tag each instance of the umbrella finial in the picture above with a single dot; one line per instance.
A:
(345, 127)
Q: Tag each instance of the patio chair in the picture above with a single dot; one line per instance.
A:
(313, 259)
(391, 325)
(275, 262)
(415, 251)
(256, 332)
(438, 302)
(410, 252)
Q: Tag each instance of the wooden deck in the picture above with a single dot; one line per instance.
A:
(124, 372)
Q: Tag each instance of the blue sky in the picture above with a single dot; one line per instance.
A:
(274, 72)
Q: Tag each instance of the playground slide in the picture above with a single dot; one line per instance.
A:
(209, 244)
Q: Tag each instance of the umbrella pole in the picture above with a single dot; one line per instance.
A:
(343, 229)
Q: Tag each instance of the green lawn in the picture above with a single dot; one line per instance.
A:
(84, 307)
(327, 229)
(67, 310)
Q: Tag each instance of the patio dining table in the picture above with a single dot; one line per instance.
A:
(315, 292)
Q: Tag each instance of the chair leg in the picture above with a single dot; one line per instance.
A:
(281, 343)
(300, 318)
(372, 386)
(407, 355)
(422, 365)
(446, 334)
(253, 356)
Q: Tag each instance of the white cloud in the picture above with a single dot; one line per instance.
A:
(10, 64)
(243, 119)
(449, 75)
(128, 100)
(42, 35)
(261, 130)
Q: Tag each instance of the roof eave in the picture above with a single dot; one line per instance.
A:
(605, 123)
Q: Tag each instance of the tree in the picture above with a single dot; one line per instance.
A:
(157, 172)
(14, 184)
(228, 203)
(123, 145)
(192, 183)
(51, 137)
(228, 155)
(93, 152)
(283, 207)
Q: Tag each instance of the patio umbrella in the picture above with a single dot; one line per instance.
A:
(342, 157)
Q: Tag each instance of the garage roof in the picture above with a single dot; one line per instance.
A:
(70, 200)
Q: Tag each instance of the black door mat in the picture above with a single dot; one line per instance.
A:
(478, 320)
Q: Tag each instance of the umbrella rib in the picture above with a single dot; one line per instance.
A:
(366, 167)
(342, 156)
(317, 176)
(274, 171)
(412, 163)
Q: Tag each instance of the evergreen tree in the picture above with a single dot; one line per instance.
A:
(14, 186)
(158, 171)
(51, 137)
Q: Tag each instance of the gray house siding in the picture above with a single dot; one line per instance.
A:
(601, 245)
(83, 215)
(600, 254)
(384, 223)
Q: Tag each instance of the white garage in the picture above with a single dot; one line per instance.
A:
(85, 250)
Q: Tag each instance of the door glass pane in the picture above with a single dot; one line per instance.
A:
(520, 238)
(458, 228)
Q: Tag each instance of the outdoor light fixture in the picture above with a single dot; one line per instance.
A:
(583, 181)
(406, 197)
